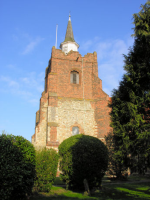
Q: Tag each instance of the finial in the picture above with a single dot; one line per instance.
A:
(69, 16)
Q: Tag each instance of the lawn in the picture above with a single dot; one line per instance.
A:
(123, 191)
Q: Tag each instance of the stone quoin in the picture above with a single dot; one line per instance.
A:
(73, 101)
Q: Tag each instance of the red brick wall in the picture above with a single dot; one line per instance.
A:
(57, 80)
(62, 65)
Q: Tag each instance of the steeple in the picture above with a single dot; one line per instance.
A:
(69, 42)
(69, 33)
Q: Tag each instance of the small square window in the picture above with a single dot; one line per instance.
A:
(75, 130)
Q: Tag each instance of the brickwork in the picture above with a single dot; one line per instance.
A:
(64, 105)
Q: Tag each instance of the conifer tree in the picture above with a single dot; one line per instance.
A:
(130, 104)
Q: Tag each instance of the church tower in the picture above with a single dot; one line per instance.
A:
(73, 101)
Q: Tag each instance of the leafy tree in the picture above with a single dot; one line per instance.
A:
(83, 157)
(130, 104)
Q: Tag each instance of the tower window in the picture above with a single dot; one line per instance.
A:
(74, 77)
(75, 130)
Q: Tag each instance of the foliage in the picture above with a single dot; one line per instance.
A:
(115, 167)
(58, 181)
(17, 167)
(130, 104)
(46, 169)
(83, 157)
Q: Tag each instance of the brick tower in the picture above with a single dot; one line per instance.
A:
(73, 101)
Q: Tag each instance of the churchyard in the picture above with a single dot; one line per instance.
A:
(95, 157)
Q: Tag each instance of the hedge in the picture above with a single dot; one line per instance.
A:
(46, 169)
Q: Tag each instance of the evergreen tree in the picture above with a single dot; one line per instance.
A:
(131, 101)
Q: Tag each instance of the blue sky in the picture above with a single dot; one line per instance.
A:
(27, 34)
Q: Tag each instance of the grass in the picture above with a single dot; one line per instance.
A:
(124, 191)
(59, 193)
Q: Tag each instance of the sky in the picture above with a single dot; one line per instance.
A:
(27, 35)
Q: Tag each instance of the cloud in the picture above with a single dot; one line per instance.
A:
(31, 46)
(11, 66)
(11, 83)
(86, 45)
(111, 62)
(34, 101)
(110, 59)
(28, 87)
(33, 81)
(89, 44)
(25, 41)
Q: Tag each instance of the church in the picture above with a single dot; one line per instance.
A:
(73, 101)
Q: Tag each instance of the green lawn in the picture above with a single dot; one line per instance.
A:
(126, 191)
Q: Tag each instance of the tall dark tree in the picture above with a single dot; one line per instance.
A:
(131, 101)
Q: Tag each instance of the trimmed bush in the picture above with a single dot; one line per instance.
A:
(17, 167)
(83, 157)
(46, 169)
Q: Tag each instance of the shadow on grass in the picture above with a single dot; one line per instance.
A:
(61, 197)
(140, 191)
(60, 193)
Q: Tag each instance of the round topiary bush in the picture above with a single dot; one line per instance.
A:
(46, 169)
(17, 167)
(83, 157)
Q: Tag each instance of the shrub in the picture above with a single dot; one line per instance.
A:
(17, 167)
(46, 169)
(83, 157)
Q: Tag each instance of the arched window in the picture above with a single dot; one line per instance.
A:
(75, 130)
(74, 77)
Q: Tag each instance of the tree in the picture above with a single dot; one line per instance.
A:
(130, 104)
(83, 157)
(115, 166)
(17, 167)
